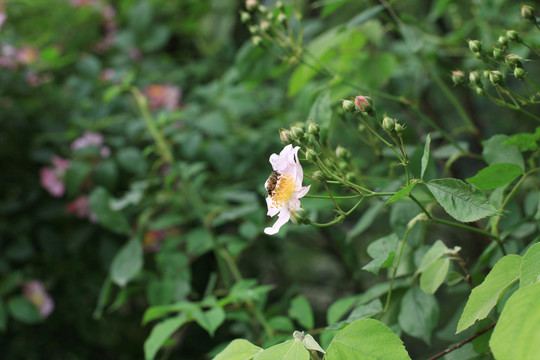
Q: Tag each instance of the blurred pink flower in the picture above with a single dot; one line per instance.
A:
(3, 18)
(7, 57)
(135, 54)
(82, 3)
(81, 208)
(52, 178)
(35, 292)
(27, 55)
(107, 75)
(163, 96)
(90, 138)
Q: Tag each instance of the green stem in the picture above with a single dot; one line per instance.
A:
(338, 218)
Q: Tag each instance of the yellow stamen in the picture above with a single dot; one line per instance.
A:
(283, 192)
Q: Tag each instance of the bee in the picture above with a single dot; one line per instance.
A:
(272, 182)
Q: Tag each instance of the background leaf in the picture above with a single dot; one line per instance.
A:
(100, 203)
(530, 266)
(434, 275)
(425, 156)
(419, 314)
(496, 151)
(301, 311)
(128, 262)
(382, 251)
(238, 349)
(160, 333)
(495, 176)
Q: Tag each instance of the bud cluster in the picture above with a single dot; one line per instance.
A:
(263, 22)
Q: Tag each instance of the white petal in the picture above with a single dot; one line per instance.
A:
(298, 171)
(303, 191)
(272, 210)
(283, 217)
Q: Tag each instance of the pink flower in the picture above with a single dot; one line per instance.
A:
(3, 18)
(35, 292)
(81, 208)
(362, 103)
(52, 178)
(90, 138)
(284, 187)
(27, 55)
(163, 96)
(82, 3)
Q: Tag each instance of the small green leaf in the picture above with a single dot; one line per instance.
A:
(435, 252)
(425, 157)
(434, 275)
(382, 251)
(238, 349)
(100, 203)
(496, 151)
(366, 339)
(128, 262)
(339, 308)
(160, 333)
(311, 344)
(530, 266)
(366, 220)
(516, 334)
(300, 310)
(289, 350)
(525, 141)
(495, 176)
(23, 310)
(485, 296)
(211, 319)
(461, 201)
(419, 314)
(401, 193)
(131, 159)
(361, 312)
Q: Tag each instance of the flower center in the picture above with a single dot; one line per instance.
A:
(284, 190)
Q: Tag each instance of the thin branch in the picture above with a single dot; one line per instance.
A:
(460, 344)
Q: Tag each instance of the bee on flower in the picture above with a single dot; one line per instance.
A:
(284, 187)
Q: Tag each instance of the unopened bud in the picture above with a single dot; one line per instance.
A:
(362, 103)
(527, 12)
(519, 73)
(496, 78)
(348, 105)
(350, 176)
(314, 129)
(474, 78)
(279, 4)
(458, 77)
(297, 132)
(485, 74)
(281, 18)
(497, 53)
(318, 175)
(475, 46)
(399, 128)
(311, 155)
(262, 8)
(253, 29)
(388, 124)
(342, 153)
(512, 35)
(251, 4)
(244, 16)
(513, 61)
(503, 40)
(257, 40)
(300, 216)
(265, 25)
(285, 136)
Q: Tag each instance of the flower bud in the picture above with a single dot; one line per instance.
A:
(497, 53)
(253, 29)
(285, 136)
(251, 4)
(297, 132)
(281, 18)
(362, 103)
(244, 17)
(265, 25)
(474, 78)
(513, 61)
(527, 12)
(399, 128)
(388, 124)
(348, 105)
(458, 77)
(313, 129)
(485, 74)
(319, 176)
(503, 40)
(300, 216)
(311, 155)
(342, 153)
(257, 40)
(496, 78)
(512, 35)
(519, 73)
(262, 8)
(475, 46)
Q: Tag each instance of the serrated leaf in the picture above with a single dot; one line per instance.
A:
(516, 334)
(366, 339)
(495, 176)
(485, 296)
(238, 349)
(382, 251)
(419, 314)
(461, 201)
(434, 275)
(301, 311)
(530, 266)
(404, 191)
(160, 333)
(128, 262)
(425, 157)
(496, 151)
(289, 350)
(525, 141)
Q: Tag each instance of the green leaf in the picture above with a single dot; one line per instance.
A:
(516, 334)
(238, 349)
(75, 175)
(435, 252)
(485, 296)
(321, 112)
(495, 176)
(311, 344)
(382, 251)
(128, 262)
(300, 310)
(461, 201)
(3, 317)
(401, 193)
(339, 308)
(496, 151)
(23, 310)
(289, 350)
(365, 221)
(434, 275)
(364, 16)
(211, 319)
(106, 174)
(530, 266)
(160, 333)
(366, 339)
(361, 312)
(525, 141)
(100, 203)
(425, 157)
(131, 159)
(419, 314)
